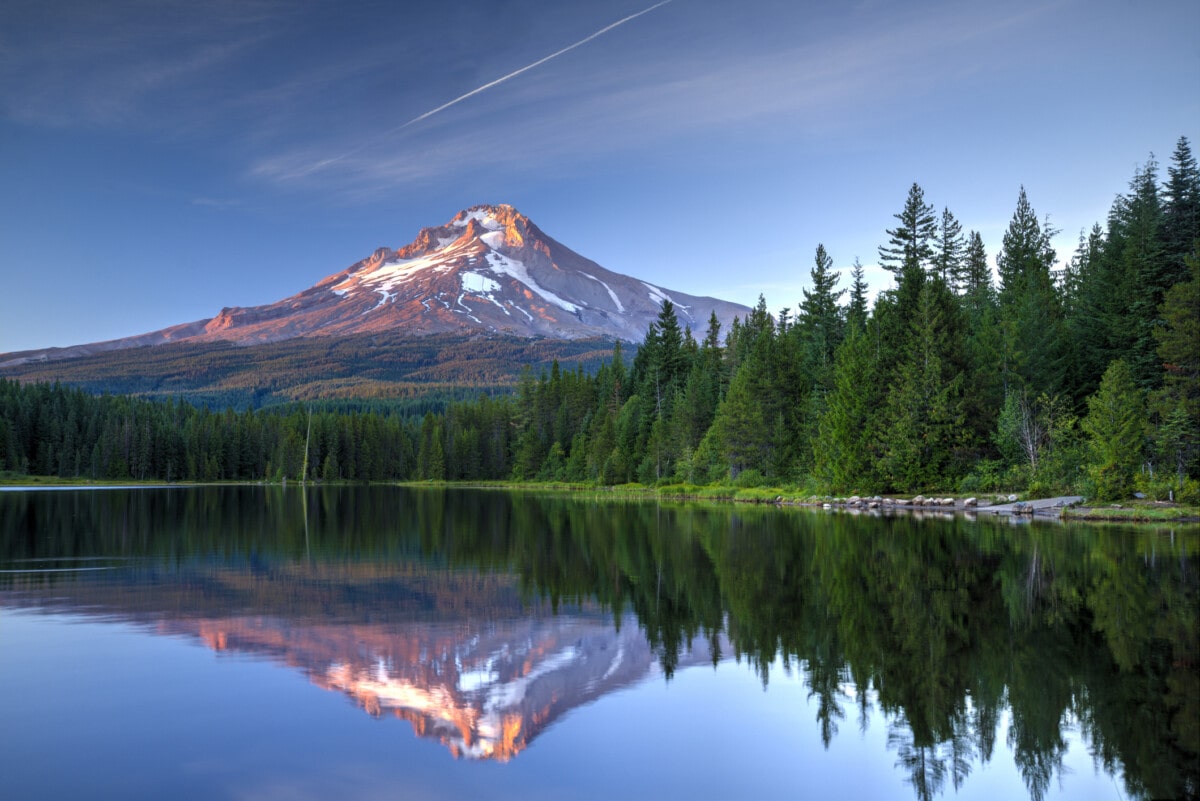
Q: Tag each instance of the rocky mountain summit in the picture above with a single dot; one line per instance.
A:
(488, 270)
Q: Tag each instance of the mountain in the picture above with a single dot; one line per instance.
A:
(489, 270)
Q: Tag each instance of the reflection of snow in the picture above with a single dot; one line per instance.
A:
(471, 680)
(616, 663)
(508, 695)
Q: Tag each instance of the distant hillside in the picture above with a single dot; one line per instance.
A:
(389, 368)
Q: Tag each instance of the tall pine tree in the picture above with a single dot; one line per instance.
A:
(910, 244)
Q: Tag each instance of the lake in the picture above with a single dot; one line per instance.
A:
(388, 642)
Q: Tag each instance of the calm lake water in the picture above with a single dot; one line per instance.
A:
(269, 643)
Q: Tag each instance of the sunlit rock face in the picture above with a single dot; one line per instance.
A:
(488, 270)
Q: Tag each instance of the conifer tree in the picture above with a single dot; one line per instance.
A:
(844, 459)
(910, 244)
(924, 413)
(1178, 402)
(1181, 217)
(856, 311)
(983, 346)
(1030, 308)
(949, 251)
(1114, 427)
(976, 272)
(1143, 261)
(820, 319)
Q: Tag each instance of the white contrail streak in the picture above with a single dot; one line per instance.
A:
(528, 67)
(489, 85)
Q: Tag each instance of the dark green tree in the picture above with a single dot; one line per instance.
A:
(1034, 354)
(856, 311)
(949, 251)
(923, 431)
(911, 243)
(1181, 218)
(1115, 431)
(1177, 403)
(844, 456)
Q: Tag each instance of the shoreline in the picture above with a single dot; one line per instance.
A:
(1065, 508)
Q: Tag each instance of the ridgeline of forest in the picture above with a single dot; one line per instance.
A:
(402, 373)
(1084, 377)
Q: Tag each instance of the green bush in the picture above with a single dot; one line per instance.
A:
(1156, 487)
(987, 476)
(749, 478)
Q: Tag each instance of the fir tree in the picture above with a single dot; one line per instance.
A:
(983, 347)
(949, 251)
(1142, 261)
(856, 311)
(1030, 308)
(1114, 427)
(924, 412)
(976, 272)
(910, 244)
(820, 319)
(1181, 218)
(843, 455)
(1178, 402)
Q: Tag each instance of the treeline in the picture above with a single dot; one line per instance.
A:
(396, 373)
(52, 430)
(1084, 376)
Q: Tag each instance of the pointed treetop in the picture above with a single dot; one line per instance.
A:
(910, 244)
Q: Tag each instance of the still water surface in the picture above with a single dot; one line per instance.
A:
(245, 642)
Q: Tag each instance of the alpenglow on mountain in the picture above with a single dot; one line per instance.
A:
(489, 269)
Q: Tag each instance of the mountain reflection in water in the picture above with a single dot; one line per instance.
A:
(483, 617)
(483, 693)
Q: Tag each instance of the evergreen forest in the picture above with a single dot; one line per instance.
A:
(1048, 375)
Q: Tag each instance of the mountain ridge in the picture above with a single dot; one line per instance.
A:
(490, 270)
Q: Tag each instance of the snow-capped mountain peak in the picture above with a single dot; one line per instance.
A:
(489, 269)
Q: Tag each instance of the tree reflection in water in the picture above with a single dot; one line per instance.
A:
(955, 630)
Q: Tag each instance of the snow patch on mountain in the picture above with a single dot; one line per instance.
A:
(493, 239)
(611, 294)
(512, 268)
(658, 296)
(482, 217)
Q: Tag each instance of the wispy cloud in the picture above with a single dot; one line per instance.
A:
(816, 88)
(480, 89)
(117, 64)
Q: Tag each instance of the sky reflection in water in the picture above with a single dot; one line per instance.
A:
(190, 668)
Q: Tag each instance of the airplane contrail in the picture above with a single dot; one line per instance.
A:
(491, 84)
(528, 67)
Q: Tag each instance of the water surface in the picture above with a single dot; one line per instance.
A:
(245, 642)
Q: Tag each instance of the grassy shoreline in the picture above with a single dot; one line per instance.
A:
(1129, 512)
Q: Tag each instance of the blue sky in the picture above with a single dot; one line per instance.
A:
(160, 160)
